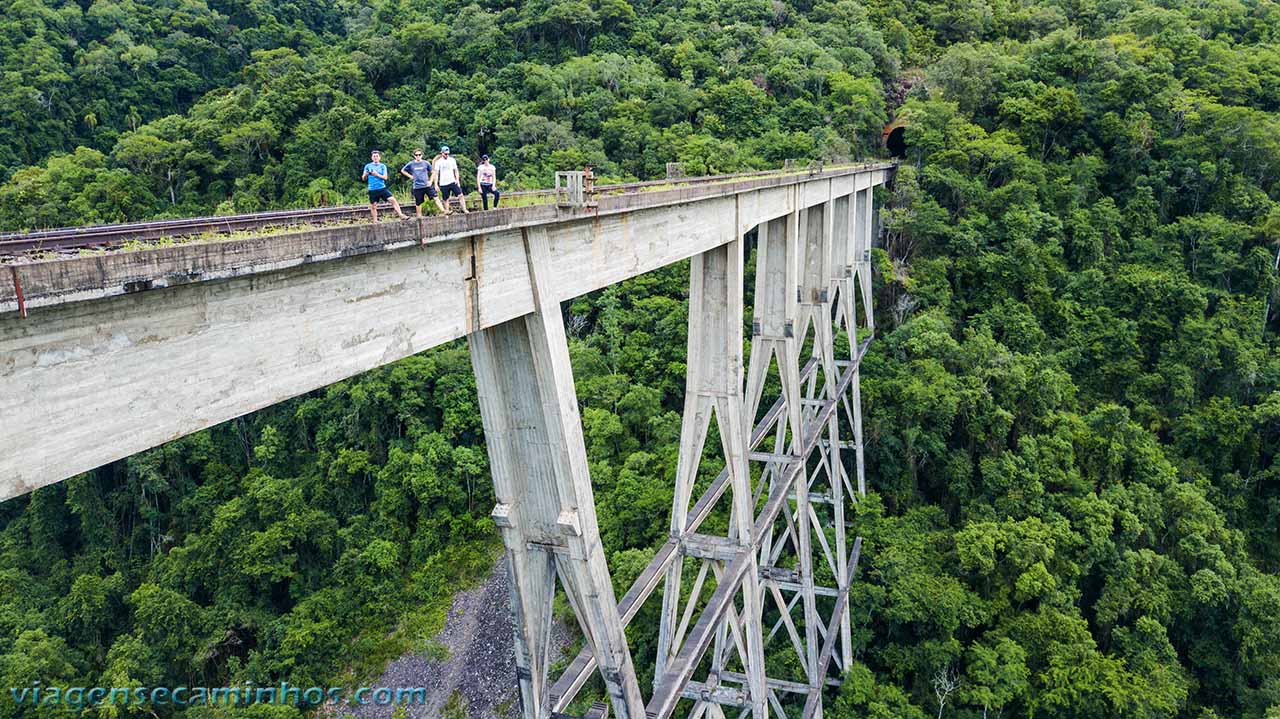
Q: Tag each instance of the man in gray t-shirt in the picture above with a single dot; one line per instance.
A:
(424, 181)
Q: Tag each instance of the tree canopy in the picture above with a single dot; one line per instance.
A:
(1072, 406)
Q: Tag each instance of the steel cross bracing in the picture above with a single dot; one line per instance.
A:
(774, 583)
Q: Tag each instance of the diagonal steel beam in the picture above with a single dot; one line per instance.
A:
(814, 702)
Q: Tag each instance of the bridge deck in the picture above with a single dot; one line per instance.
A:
(123, 351)
(97, 274)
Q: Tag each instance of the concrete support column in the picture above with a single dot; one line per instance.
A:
(814, 312)
(777, 334)
(864, 218)
(545, 506)
(713, 387)
(861, 220)
(773, 338)
(839, 272)
(774, 325)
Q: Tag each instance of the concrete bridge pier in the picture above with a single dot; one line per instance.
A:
(714, 387)
(546, 509)
(859, 272)
(806, 294)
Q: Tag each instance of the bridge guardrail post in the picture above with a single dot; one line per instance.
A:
(575, 188)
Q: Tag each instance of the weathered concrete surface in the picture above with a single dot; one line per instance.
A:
(122, 352)
(94, 276)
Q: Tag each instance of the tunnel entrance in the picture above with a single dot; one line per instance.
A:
(896, 142)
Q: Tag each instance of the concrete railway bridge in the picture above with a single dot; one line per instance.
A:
(105, 355)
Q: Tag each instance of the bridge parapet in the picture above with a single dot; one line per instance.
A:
(101, 274)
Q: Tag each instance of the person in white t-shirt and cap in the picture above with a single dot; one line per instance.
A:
(447, 179)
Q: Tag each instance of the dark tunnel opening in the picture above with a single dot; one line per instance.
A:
(896, 142)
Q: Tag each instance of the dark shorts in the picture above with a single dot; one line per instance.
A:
(421, 193)
(447, 191)
(376, 195)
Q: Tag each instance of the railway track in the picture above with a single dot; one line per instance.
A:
(74, 239)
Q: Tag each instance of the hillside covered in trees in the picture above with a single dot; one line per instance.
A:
(1073, 404)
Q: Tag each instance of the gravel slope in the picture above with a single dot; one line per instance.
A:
(481, 663)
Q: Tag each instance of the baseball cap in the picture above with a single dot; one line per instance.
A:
(444, 148)
(484, 157)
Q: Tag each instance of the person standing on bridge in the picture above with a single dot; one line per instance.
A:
(423, 175)
(448, 179)
(487, 181)
(376, 173)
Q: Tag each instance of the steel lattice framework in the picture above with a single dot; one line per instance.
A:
(774, 584)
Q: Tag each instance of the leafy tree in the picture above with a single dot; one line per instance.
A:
(1071, 407)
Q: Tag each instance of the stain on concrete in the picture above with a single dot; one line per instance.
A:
(400, 344)
(395, 289)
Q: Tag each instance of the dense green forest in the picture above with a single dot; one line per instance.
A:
(1073, 404)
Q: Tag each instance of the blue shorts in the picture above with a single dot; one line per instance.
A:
(376, 195)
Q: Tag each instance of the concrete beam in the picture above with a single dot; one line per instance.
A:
(813, 705)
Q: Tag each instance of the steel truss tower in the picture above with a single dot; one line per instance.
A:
(755, 617)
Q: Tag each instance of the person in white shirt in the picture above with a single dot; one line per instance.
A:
(487, 181)
(447, 179)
